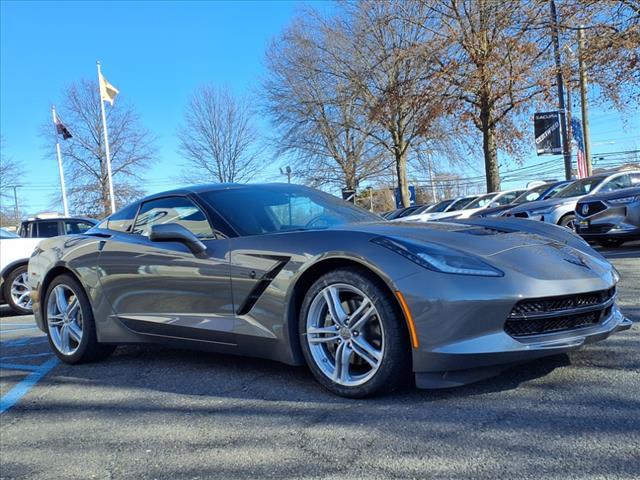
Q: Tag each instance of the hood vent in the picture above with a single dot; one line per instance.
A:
(482, 231)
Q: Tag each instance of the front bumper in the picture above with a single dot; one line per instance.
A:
(462, 336)
(612, 222)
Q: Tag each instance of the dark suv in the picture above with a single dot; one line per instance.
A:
(52, 227)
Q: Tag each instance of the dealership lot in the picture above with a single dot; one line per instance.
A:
(151, 412)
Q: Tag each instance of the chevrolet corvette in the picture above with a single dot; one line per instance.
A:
(291, 274)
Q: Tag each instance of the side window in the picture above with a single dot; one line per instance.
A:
(507, 198)
(178, 210)
(76, 226)
(635, 179)
(623, 181)
(121, 221)
(23, 229)
(47, 229)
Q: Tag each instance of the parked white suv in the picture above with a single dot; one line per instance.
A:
(560, 209)
(14, 257)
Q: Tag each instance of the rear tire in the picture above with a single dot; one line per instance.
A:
(367, 351)
(16, 291)
(70, 325)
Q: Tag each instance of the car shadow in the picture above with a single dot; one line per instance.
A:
(216, 375)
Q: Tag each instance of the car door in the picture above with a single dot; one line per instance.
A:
(162, 288)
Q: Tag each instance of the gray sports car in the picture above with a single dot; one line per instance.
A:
(292, 274)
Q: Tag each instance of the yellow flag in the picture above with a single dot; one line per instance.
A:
(107, 91)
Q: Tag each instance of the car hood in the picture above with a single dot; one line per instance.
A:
(533, 249)
(479, 237)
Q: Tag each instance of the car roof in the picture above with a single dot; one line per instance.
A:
(210, 187)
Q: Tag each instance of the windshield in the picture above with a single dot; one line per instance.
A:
(7, 234)
(481, 201)
(531, 195)
(440, 207)
(261, 209)
(579, 187)
(555, 190)
(460, 203)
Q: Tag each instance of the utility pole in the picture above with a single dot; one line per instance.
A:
(65, 205)
(15, 203)
(563, 120)
(433, 186)
(583, 99)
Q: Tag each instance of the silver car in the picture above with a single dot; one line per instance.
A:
(291, 274)
(560, 209)
(610, 219)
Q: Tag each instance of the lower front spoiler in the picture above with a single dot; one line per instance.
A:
(459, 364)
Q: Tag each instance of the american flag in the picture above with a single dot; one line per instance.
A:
(576, 132)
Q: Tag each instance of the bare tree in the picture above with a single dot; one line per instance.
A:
(401, 88)
(495, 63)
(10, 174)
(131, 147)
(316, 110)
(218, 139)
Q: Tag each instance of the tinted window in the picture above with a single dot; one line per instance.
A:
(532, 194)
(76, 226)
(481, 201)
(507, 198)
(121, 221)
(555, 190)
(635, 179)
(441, 207)
(623, 181)
(178, 210)
(579, 187)
(48, 229)
(459, 204)
(276, 208)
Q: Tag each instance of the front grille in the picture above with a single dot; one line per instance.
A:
(599, 228)
(591, 208)
(555, 314)
(521, 215)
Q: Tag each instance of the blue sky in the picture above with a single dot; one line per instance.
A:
(156, 53)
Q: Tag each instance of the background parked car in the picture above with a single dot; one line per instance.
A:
(610, 219)
(440, 209)
(494, 199)
(14, 257)
(539, 192)
(560, 210)
(47, 226)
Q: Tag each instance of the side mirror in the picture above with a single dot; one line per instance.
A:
(173, 232)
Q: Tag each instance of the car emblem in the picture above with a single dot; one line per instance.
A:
(585, 209)
(577, 260)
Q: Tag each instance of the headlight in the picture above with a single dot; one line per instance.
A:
(618, 201)
(439, 258)
(616, 274)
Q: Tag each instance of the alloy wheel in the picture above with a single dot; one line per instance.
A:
(345, 335)
(64, 317)
(20, 291)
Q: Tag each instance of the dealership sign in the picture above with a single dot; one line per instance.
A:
(547, 131)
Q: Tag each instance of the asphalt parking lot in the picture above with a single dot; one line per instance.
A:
(151, 412)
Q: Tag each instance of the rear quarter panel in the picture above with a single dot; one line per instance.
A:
(77, 254)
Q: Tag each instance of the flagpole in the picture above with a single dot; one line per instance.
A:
(62, 185)
(106, 141)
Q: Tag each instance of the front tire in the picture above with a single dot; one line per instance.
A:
(568, 221)
(16, 291)
(352, 335)
(70, 324)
